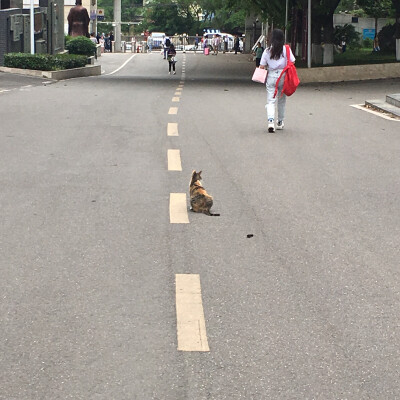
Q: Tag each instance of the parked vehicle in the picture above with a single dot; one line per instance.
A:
(222, 35)
(157, 38)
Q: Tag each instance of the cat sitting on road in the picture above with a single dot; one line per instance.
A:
(200, 200)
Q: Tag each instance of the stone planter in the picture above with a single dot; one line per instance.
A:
(88, 70)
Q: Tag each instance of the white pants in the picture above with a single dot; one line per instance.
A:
(273, 76)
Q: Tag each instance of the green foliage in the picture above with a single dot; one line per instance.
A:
(81, 45)
(349, 32)
(44, 62)
(376, 8)
(368, 43)
(363, 57)
(69, 61)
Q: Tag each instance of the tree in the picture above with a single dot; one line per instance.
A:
(376, 9)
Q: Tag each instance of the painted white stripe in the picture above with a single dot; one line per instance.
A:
(191, 325)
(178, 208)
(175, 99)
(122, 66)
(174, 160)
(172, 129)
(177, 93)
(173, 110)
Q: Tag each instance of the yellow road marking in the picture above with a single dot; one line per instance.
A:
(172, 129)
(174, 160)
(173, 110)
(191, 325)
(178, 208)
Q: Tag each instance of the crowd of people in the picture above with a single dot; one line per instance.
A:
(104, 40)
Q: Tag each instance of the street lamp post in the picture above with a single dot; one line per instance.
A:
(32, 15)
(309, 35)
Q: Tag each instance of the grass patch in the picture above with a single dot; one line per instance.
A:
(363, 56)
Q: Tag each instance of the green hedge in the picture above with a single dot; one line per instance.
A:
(44, 62)
(80, 45)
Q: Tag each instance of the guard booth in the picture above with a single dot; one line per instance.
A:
(15, 28)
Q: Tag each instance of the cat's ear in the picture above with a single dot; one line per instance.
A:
(200, 173)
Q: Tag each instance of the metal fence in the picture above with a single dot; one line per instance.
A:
(181, 43)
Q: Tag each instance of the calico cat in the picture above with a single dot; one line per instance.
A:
(200, 200)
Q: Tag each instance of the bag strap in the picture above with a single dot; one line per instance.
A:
(284, 69)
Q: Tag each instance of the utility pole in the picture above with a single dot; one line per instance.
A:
(117, 26)
(309, 35)
(32, 18)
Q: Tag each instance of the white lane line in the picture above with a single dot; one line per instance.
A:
(191, 325)
(173, 111)
(172, 129)
(174, 160)
(177, 93)
(122, 66)
(175, 99)
(178, 208)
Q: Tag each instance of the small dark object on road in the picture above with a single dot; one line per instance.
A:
(250, 235)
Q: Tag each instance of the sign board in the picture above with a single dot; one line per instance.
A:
(100, 14)
(368, 33)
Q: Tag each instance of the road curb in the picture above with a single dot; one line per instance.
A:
(88, 70)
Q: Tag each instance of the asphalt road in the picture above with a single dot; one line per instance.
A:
(307, 307)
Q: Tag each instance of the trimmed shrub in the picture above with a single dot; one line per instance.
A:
(44, 62)
(41, 62)
(387, 38)
(80, 45)
(368, 43)
(69, 61)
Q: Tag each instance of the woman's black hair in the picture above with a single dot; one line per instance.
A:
(277, 42)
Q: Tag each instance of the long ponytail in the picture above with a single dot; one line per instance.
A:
(277, 42)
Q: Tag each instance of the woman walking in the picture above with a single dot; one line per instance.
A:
(171, 58)
(274, 59)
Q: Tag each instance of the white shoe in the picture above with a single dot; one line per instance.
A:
(271, 126)
(169, 72)
(174, 73)
(280, 125)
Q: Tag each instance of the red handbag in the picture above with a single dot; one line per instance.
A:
(291, 79)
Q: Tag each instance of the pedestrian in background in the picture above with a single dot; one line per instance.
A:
(258, 53)
(215, 44)
(274, 59)
(171, 58)
(111, 41)
(236, 44)
(226, 40)
(166, 44)
(376, 43)
(343, 43)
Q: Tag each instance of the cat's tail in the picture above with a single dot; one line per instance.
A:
(211, 214)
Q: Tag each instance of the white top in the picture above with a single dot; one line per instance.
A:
(276, 64)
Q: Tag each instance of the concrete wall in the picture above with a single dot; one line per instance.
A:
(349, 73)
(363, 23)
